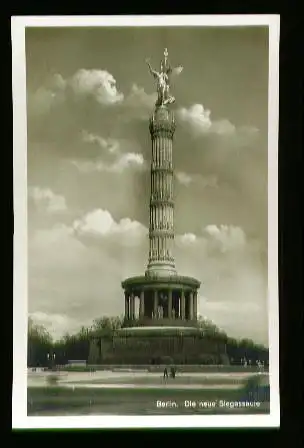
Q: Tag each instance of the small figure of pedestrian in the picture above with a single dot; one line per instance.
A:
(259, 366)
(165, 372)
(173, 372)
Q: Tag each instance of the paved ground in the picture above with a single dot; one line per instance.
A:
(137, 393)
(102, 379)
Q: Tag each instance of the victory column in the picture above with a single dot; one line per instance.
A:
(165, 298)
(166, 324)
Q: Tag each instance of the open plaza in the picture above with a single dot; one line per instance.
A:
(132, 391)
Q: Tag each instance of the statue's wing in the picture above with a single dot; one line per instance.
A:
(177, 70)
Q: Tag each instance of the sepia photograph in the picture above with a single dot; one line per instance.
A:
(145, 204)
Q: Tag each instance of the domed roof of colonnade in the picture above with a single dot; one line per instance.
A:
(173, 281)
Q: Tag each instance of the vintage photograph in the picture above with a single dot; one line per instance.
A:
(145, 183)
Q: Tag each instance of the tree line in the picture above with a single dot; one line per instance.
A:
(43, 350)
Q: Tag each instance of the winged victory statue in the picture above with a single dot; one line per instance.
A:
(163, 79)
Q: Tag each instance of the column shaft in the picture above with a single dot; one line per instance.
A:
(142, 304)
(132, 306)
(183, 307)
(195, 305)
(191, 306)
(170, 304)
(162, 128)
(127, 306)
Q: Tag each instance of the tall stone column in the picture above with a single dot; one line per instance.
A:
(191, 306)
(170, 304)
(161, 228)
(183, 304)
(155, 304)
(127, 314)
(142, 304)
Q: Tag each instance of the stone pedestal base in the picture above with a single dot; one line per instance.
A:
(160, 345)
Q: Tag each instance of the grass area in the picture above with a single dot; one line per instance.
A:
(81, 401)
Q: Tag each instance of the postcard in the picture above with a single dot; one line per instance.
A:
(146, 221)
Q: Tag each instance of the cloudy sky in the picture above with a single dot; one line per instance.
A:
(89, 96)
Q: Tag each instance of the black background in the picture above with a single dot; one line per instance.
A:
(290, 231)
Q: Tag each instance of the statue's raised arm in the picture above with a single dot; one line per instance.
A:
(153, 72)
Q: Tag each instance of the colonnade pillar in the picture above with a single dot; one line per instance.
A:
(170, 304)
(191, 303)
(127, 314)
(195, 305)
(142, 304)
(132, 305)
(155, 304)
(183, 304)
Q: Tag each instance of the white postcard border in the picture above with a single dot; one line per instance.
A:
(20, 306)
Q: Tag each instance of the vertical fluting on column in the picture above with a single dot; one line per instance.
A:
(161, 232)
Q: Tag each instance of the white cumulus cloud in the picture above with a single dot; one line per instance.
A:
(112, 146)
(125, 161)
(222, 237)
(226, 237)
(183, 178)
(101, 223)
(120, 164)
(99, 84)
(199, 121)
(197, 117)
(120, 159)
(138, 98)
(187, 238)
(44, 197)
(197, 179)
